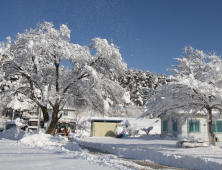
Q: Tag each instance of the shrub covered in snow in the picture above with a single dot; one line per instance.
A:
(119, 131)
(126, 123)
(147, 130)
(139, 127)
(83, 128)
(84, 124)
(132, 130)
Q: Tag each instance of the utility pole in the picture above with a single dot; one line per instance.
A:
(39, 121)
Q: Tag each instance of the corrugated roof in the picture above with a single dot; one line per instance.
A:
(106, 119)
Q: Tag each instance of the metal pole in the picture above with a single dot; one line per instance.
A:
(39, 110)
(13, 112)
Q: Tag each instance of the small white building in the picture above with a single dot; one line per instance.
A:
(195, 127)
(68, 118)
(68, 115)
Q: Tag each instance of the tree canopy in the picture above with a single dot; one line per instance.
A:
(39, 56)
(196, 85)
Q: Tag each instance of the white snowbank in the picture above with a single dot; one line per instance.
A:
(16, 157)
(161, 151)
(72, 146)
(14, 133)
(43, 141)
(60, 145)
(48, 142)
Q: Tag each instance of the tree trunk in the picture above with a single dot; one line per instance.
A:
(52, 126)
(45, 113)
(210, 128)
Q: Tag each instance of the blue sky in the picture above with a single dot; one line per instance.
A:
(149, 33)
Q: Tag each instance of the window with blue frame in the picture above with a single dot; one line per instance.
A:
(217, 127)
(165, 126)
(193, 126)
(174, 122)
(65, 113)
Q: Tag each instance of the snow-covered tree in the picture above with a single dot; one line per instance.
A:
(39, 56)
(10, 101)
(196, 87)
(140, 84)
(5, 98)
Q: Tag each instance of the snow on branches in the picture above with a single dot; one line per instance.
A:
(39, 56)
(196, 86)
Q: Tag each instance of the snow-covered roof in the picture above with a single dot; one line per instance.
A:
(33, 119)
(199, 113)
(69, 108)
(10, 122)
(65, 108)
(106, 119)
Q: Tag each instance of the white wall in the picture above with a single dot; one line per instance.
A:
(71, 116)
(169, 119)
(203, 134)
(183, 127)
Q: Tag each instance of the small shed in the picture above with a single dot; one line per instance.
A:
(104, 127)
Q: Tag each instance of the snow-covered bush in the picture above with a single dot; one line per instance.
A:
(83, 128)
(84, 124)
(127, 123)
(119, 131)
(147, 130)
(132, 130)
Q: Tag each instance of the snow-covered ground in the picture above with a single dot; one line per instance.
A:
(14, 157)
(21, 150)
(162, 151)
